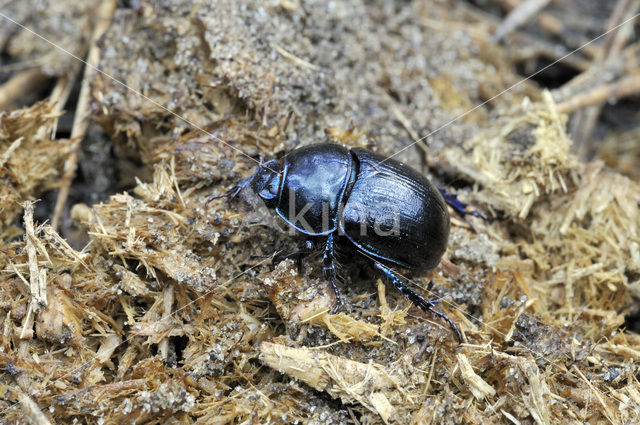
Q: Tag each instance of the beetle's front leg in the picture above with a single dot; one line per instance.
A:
(297, 255)
(425, 305)
(233, 192)
(329, 269)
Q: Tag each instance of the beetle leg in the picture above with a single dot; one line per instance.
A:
(329, 269)
(419, 301)
(233, 192)
(297, 255)
(460, 207)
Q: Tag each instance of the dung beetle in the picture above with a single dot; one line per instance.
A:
(387, 211)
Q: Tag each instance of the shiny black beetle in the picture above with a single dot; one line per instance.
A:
(390, 213)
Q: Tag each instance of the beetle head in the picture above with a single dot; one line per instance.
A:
(266, 182)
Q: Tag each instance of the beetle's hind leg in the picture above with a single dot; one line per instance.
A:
(419, 301)
(329, 269)
(460, 207)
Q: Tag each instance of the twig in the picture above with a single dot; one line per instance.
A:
(610, 46)
(37, 279)
(80, 120)
(27, 324)
(293, 58)
(7, 154)
(61, 244)
(606, 411)
(20, 84)
(22, 65)
(584, 121)
(522, 13)
(31, 410)
(624, 87)
(61, 93)
(405, 122)
(167, 303)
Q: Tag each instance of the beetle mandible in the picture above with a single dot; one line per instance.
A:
(389, 212)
